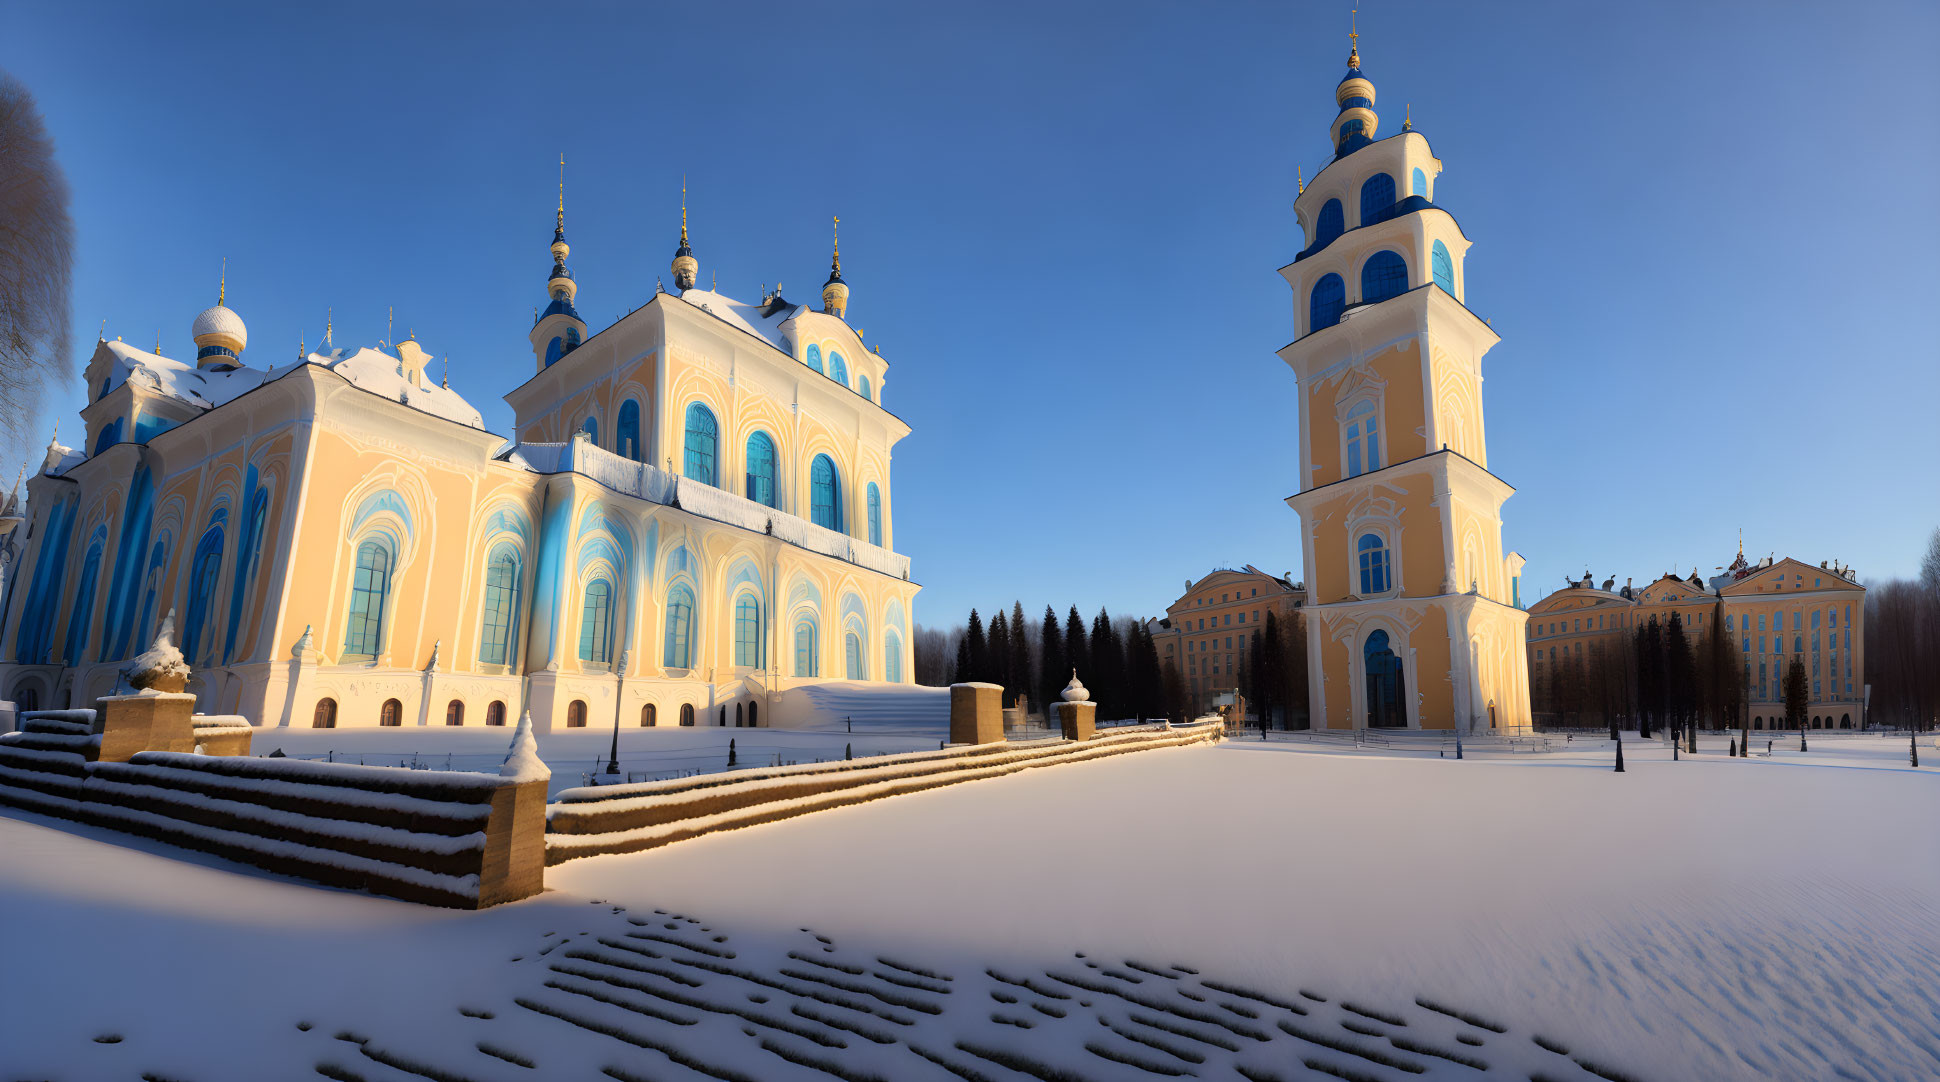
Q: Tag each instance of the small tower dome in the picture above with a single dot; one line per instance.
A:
(835, 292)
(219, 334)
(686, 267)
(1355, 126)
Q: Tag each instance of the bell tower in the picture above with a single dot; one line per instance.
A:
(559, 330)
(1412, 616)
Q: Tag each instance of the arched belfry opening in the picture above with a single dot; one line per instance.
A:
(1385, 684)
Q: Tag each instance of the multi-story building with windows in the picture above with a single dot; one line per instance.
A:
(1769, 613)
(1412, 617)
(695, 518)
(1206, 632)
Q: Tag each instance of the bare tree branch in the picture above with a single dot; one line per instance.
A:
(36, 267)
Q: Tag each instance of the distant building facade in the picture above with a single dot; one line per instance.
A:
(1205, 632)
(1770, 613)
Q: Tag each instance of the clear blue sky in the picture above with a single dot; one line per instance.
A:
(1705, 233)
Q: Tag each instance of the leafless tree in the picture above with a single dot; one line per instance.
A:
(36, 265)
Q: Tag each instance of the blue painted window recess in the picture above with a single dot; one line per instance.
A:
(1331, 223)
(1384, 275)
(761, 469)
(1421, 184)
(1373, 554)
(1363, 439)
(1327, 302)
(825, 494)
(702, 445)
(1377, 198)
(1443, 267)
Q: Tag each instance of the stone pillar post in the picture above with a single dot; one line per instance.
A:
(154, 721)
(513, 864)
(1078, 720)
(976, 713)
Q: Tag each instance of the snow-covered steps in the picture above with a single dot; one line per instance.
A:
(628, 818)
(838, 704)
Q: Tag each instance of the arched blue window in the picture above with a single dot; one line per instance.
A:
(1421, 184)
(500, 634)
(156, 560)
(626, 438)
(1331, 223)
(852, 655)
(1363, 435)
(591, 427)
(892, 658)
(761, 469)
(678, 652)
(203, 571)
(813, 358)
(1443, 267)
(805, 652)
(1328, 301)
(825, 494)
(875, 514)
(364, 636)
(553, 352)
(109, 436)
(596, 624)
(747, 631)
(703, 442)
(572, 339)
(838, 368)
(1385, 708)
(862, 386)
(1374, 565)
(1377, 198)
(1348, 132)
(82, 618)
(249, 553)
(1384, 275)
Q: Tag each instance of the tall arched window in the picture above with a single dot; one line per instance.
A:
(1385, 708)
(1443, 267)
(1374, 564)
(824, 494)
(499, 636)
(892, 658)
(838, 368)
(852, 656)
(591, 427)
(1331, 223)
(495, 713)
(1377, 198)
(250, 554)
(813, 358)
(875, 514)
(754, 715)
(202, 593)
(553, 352)
(740, 716)
(1326, 303)
(364, 632)
(1382, 276)
(576, 714)
(679, 649)
(1421, 184)
(687, 713)
(805, 652)
(1363, 434)
(596, 624)
(391, 714)
(862, 385)
(626, 437)
(82, 618)
(325, 716)
(703, 442)
(761, 469)
(455, 712)
(747, 631)
(649, 716)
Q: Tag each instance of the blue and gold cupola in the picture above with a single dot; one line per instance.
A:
(1355, 126)
(219, 332)
(686, 268)
(558, 330)
(835, 291)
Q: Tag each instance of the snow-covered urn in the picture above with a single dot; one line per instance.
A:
(1077, 714)
(161, 667)
(522, 762)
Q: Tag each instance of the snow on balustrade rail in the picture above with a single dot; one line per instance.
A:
(655, 485)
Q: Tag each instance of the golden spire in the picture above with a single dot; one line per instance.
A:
(158, 343)
(1408, 118)
(329, 318)
(1354, 38)
(104, 330)
(222, 287)
(562, 189)
(683, 210)
(1300, 177)
(838, 246)
(447, 372)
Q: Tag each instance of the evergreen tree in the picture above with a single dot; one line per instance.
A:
(1022, 681)
(1650, 677)
(1177, 709)
(979, 650)
(1151, 682)
(1055, 671)
(1295, 696)
(1797, 694)
(1108, 661)
(962, 673)
(1680, 677)
(1251, 675)
(1272, 678)
(999, 648)
(1077, 652)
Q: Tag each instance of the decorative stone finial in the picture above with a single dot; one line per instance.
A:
(432, 665)
(303, 641)
(522, 761)
(1075, 692)
(161, 668)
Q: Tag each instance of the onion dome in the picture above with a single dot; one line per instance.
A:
(1354, 127)
(835, 292)
(686, 268)
(1075, 692)
(219, 334)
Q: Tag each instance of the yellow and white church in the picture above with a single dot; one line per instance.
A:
(693, 522)
(1412, 610)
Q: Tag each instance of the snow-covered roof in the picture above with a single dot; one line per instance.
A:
(745, 316)
(377, 372)
(219, 320)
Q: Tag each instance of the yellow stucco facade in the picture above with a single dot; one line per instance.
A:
(1412, 617)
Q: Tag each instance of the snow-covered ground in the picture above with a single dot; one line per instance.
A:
(1710, 918)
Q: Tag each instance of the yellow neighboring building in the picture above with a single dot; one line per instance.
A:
(1412, 609)
(1205, 632)
(1770, 612)
(695, 519)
